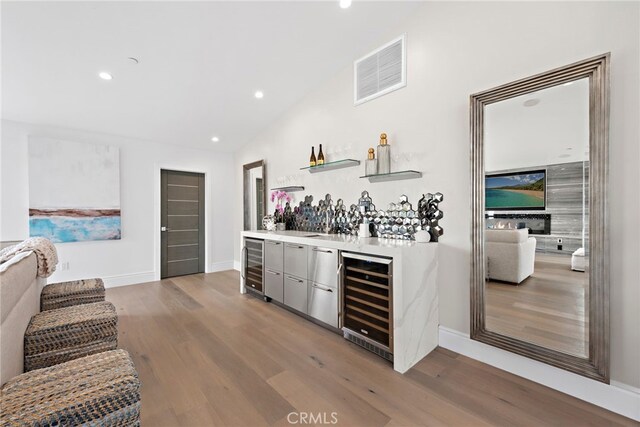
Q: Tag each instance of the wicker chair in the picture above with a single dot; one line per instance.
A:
(98, 390)
(64, 334)
(67, 294)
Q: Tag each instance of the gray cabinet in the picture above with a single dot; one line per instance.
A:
(295, 293)
(274, 284)
(322, 303)
(274, 255)
(295, 260)
(322, 266)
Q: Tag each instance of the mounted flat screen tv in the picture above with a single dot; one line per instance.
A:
(516, 191)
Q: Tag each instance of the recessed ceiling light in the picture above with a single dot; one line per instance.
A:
(531, 102)
(215, 139)
(345, 4)
(105, 76)
(259, 94)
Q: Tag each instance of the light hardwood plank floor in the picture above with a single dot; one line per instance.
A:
(549, 308)
(208, 355)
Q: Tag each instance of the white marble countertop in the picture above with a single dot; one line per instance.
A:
(375, 245)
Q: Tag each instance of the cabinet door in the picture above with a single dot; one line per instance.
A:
(295, 260)
(322, 303)
(274, 255)
(274, 284)
(295, 293)
(322, 266)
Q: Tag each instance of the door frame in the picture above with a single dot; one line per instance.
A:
(157, 215)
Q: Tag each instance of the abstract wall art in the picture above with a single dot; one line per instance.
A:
(74, 191)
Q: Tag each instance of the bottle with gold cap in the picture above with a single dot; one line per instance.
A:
(384, 155)
(371, 164)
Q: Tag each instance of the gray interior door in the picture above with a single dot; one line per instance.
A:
(182, 223)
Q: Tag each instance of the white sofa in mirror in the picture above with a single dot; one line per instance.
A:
(511, 255)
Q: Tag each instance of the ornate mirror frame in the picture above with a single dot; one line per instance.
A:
(245, 191)
(596, 365)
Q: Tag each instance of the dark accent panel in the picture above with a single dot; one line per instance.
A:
(180, 268)
(183, 208)
(182, 237)
(183, 252)
(182, 193)
(183, 178)
(183, 222)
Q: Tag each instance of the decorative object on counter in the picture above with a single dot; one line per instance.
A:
(312, 159)
(384, 155)
(430, 214)
(422, 236)
(269, 223)
(320, 161)
(364, 228)
(280, 197)
(371, 164)
(399, 221)
(281, 226)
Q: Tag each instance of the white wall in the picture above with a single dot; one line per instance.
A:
(134, 258)
(456, 49)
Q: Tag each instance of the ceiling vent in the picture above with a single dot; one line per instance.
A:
(381, 71)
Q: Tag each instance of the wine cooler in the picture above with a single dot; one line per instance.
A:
(367, 302)
(252, 265)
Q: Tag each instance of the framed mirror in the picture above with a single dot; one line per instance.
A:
(540, 246)
(254, 194)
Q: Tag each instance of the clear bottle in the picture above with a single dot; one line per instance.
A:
(371, 164)
(384, 155)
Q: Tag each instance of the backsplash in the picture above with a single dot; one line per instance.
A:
(400, 220)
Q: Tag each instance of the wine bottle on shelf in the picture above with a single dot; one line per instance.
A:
(320, 156)
(312, 159)
(384, 155)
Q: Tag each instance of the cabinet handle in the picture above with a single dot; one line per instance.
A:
(272, 242)
(322, 289)
(293, 279)
(295, 246)
(325, 251)
(364, 331)
(273, 272)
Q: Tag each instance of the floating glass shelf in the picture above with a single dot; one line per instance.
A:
(289, 189)
(338, 164)
(393, 176)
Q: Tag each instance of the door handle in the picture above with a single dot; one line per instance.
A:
(164, 229)
(339, 269)
(324, 251)
(243, 261)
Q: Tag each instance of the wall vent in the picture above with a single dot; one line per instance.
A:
(381, 71)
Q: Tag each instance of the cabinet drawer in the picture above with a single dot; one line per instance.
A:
(295, 260)
(274, 284)
(295, 293)
(322, 265)
(274, 255)
(322, 303)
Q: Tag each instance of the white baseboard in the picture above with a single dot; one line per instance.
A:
(221, 266)
(236, 265)
(619, 398)
(128, 279)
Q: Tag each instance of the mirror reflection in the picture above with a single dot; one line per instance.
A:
(254, 195)
(536, 239)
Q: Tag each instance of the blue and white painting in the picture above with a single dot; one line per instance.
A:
(74, 191)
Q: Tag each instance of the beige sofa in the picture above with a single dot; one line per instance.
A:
(19, 300)
(511, 254)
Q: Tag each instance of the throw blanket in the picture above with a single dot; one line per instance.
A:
(43, 248)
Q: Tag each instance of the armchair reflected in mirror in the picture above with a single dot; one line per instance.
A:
(540, 261)
(254, 195)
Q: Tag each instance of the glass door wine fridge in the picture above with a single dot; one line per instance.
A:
(253, 265)
(367, 302)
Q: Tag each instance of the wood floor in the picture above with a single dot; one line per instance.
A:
(550, 308)
(207, 355)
